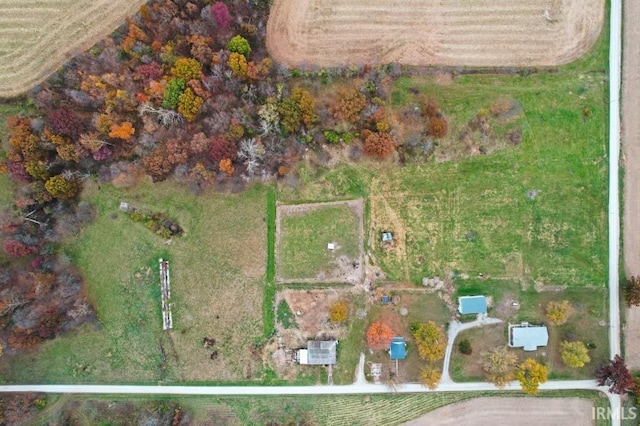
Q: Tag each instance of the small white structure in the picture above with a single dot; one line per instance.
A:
(331, 246)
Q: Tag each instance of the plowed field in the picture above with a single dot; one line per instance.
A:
(38, 36)
(433, 32)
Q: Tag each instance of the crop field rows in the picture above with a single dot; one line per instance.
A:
(36, 36)
(423, 32)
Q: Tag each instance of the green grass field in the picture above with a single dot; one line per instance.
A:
(303, 250)
(221, 256)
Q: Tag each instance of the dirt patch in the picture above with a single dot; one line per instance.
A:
(311, 311)
(429, 32)
(38, 37)
(509, 411)
(632, 338)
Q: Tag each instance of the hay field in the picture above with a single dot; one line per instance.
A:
(38, 36)
(429, 32)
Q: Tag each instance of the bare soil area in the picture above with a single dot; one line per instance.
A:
(510, 411)
(631, 163)
(37, 37)
(430, 32)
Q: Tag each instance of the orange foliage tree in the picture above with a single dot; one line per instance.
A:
(379, 335)
(122, 131)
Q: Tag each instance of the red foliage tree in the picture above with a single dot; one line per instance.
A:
(616, 375)
(221, 15)
(221, 148)
(379, 336)
(17, 249)
(149, 72)
(379, 145)
(17, 171)
(64, 122)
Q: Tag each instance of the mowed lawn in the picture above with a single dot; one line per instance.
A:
(217, 277)
(303, 249)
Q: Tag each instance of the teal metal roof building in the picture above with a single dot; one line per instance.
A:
(398, 348)
(472, 305)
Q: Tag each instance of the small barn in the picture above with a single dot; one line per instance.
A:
(528, 337)
(318, 352)
(398, 348)
(472, 305)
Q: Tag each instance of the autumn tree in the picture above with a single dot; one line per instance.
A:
(558, 311)
(220, 148)
(338, 311)
(122, 131)
(16, 248)
(574, 354)
(199, 143)
(430, 340)
(238, 64)
(239, 44)
(64, 122)
(62, 187)
(616, 375)
(189, 104)
(149, 72)
(349, 105)
(156, 165)
(379, 145)
(221, 15)
(430, 377)
(226, 166)
(379, 335)
(632, 291)
(499, 366)
(186, 69)
(297, 110)
(531, 375)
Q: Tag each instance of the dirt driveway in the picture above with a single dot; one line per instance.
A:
(430, 32)
(511, 411)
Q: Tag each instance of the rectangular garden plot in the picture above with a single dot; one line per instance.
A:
(320, 243)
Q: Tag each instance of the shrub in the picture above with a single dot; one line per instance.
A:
(379, 145)
(338, 312)
(558, 311)
(349, 105)
(438, 127)
(465, 347)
